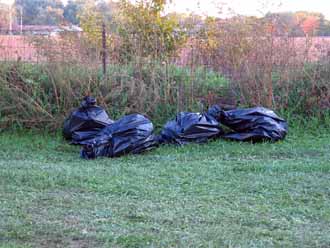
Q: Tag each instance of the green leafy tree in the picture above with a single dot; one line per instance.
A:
(71, 11)
(91, 20)
(140, 30)
(146, 32)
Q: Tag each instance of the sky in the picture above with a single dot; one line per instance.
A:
(244, 7)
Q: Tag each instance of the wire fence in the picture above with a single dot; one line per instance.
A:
(42, 46)
(99, 49)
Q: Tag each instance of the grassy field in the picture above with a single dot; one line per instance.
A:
(222, 194)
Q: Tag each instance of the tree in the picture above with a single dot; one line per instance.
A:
(309, 25)
(309, 22)
(93, 14)
(91, 19)
(145, 32)
(140, 29)
(299, 23)
(71, 11)
(50, 16)
(284, 24)
(324, 28)
(41, 12)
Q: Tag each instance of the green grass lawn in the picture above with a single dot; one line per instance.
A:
(222, 194)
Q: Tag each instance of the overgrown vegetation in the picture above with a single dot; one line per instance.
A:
(158, 64)
(41, 96)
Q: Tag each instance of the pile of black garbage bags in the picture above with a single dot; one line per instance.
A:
(90, 126)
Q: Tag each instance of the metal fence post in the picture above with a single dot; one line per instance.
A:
(104, 51)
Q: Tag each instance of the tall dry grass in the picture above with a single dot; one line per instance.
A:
(280, 72)
(39, 96)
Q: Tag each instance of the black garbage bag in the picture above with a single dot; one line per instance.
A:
(251, 124)
(130, 134)
(190, 128)
(85, 122)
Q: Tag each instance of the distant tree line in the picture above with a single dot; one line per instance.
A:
(54, 12)
(299, 23)
(48, 12)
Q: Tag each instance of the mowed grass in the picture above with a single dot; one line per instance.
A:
(222, 194)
